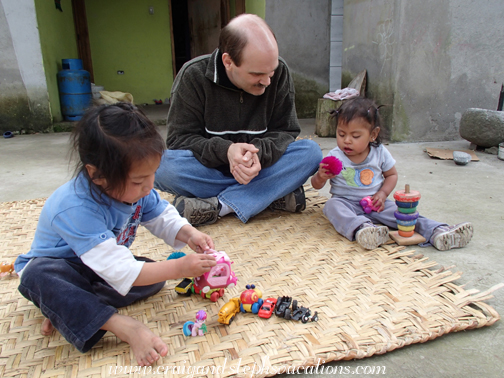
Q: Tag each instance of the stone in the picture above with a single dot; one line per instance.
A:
(483, 127)
(461, 158)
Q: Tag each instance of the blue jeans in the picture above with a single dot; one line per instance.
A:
(75, 299)
(346, 216)
(180, 173)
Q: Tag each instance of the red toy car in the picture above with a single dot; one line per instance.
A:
(267, 308)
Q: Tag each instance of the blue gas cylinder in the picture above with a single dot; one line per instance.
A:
(74, 85)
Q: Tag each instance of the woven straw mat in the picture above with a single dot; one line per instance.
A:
(368, 302)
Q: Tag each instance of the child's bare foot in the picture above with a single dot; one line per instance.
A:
(146, 346)
(47, 328)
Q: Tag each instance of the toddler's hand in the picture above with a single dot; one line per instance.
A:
(199, 242)
(195, 264)
(324, 173)
(379, 201)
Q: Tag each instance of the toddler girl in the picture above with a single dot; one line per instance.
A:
(79, 269)
(369, 170)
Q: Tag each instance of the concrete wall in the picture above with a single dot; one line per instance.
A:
(24, 103)
(428, 60)
(302, 28)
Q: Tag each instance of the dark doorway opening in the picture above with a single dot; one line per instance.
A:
(181, 32)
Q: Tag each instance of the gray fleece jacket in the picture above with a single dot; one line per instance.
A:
(207, 114)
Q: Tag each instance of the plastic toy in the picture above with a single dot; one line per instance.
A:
(228, 311)
(332, 164)
(251, 300)
(184, 287)
(406, 220)
(197, 328)
(295, 312)
(303, 314)
(267, 308)
(187, 287)
(210, 285)
(175, 255)
(220, 276)
(283, 304)
(7, 269)
(367, 205)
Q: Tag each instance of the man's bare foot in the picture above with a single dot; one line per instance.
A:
(146, 346)
(47, 328)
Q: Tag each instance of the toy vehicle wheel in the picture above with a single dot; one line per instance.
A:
(305, 317)
(294, 305)
(255, 308)
(214, 297)
(231, 320)
(221, 292)
(287, 314)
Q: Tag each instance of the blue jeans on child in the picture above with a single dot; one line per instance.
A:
(346, 216)
(75, 299)
(180, 173)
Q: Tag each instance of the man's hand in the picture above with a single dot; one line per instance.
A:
(243, 162)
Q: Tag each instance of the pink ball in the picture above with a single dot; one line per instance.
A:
(332, 164)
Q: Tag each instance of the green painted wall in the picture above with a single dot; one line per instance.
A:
(125, 37)
(57, 41)
(256, 6)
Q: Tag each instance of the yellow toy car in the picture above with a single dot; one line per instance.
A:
(228, 311)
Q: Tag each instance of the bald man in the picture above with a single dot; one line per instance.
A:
(232, 127)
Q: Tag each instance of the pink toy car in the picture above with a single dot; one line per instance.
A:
(220, 276)
(367, 205)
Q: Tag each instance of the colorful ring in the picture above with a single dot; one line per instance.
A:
(406, 204)
(405, 228)
(406, 217)
(406, 234)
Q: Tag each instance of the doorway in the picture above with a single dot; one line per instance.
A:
(196, 26)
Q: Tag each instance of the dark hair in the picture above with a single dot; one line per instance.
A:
(112, 138)
(359, 107)
(232, 40)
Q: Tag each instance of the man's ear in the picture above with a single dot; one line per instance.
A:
(92, 172)
(226, 60)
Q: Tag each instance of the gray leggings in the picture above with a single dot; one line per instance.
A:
(347, 216)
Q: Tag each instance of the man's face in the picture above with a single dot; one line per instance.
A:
(256, 70)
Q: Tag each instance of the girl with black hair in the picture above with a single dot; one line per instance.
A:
(369, 170)
(79, 269)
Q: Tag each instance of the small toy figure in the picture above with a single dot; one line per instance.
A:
(197, 328)
(228, 311)
(251, 300)
(7, 269)
(367, 205)
(332, 164)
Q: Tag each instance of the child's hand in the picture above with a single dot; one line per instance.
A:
(195, 264)
(325, 173)
(379, 201)
(199, 242)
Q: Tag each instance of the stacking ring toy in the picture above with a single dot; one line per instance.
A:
(406, 214)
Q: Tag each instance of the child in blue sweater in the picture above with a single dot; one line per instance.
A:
(79, 269)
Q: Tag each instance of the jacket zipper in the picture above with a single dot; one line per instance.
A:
(241, 97)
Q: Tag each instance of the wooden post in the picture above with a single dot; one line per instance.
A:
(325, 124)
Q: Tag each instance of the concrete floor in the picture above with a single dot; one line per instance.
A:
(34, 166)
